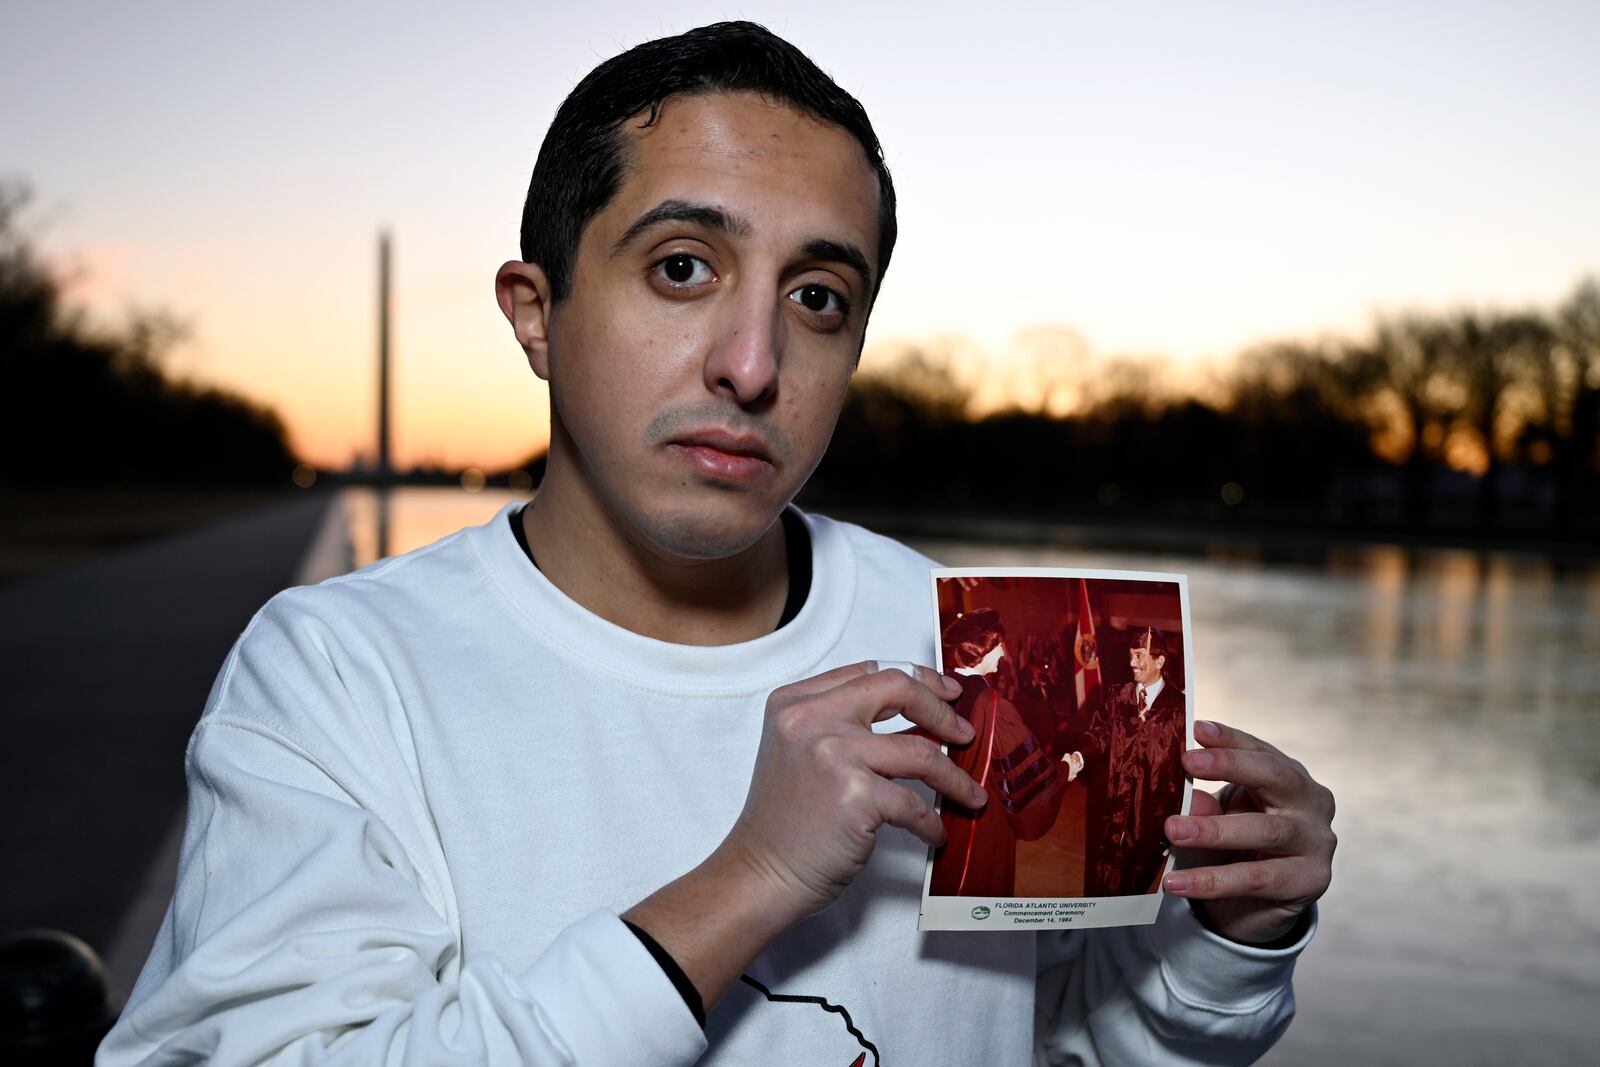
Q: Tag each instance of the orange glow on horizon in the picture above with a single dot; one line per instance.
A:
(1244, 181)
(1464, 451)
(490, 440)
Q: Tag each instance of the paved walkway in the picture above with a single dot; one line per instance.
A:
(104, 668)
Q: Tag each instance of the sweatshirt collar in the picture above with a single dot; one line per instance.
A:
(788, 654)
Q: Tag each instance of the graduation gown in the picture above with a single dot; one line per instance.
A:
(1024, 785)
(1135, 781)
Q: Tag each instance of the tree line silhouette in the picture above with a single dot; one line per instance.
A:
(1467, 421)
(81, 405)
(1461, 421)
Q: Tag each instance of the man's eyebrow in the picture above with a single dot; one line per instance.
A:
(712, 218)
(841, 252)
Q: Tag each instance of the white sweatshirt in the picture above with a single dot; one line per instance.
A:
(421, 793)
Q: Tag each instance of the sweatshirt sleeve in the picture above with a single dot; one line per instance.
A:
(1169, 993)
(298, 933)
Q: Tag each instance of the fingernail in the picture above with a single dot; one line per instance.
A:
(1177, 882)
(1206, 729)
(951, 686)
(1200, 760)
(1182, 830)
(965, 729)
(980, 796)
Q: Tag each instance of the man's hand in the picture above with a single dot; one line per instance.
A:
(822, 781)
(821, 788)
(1074, 762)
(1260, 852)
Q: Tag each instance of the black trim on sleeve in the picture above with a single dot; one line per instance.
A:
(674, 973)
(1288, 940)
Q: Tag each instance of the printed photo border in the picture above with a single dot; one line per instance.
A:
(1036, 913)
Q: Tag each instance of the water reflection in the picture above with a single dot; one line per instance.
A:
(1452, 702)
(391, 522)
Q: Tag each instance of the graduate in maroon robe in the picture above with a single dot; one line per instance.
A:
(1024, 784)
(1129, 754)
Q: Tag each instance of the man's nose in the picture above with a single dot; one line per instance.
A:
(744, 357)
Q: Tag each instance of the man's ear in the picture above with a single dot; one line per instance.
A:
(523, 293)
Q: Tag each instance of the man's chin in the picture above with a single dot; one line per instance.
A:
(714, 532)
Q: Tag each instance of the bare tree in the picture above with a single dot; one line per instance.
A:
(1578, 333)
(1057, 362)
(1305, 381)
(1408, 360)
(1489, 355)
(80, 402)
(925, 378)
(1129, 387)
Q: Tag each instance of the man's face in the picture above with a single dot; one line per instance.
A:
(1146, 668)
(716, 313)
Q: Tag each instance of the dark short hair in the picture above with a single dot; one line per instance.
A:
(582, 160)
(1152, 640)
(970, 636)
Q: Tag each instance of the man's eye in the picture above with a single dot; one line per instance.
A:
(820, 299)
(680, 268)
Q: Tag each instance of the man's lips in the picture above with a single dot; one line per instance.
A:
(725, 455)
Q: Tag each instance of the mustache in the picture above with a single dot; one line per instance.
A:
(675, 422)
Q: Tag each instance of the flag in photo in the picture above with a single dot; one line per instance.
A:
(1085, 651)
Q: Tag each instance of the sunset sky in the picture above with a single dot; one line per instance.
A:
(1176, 179)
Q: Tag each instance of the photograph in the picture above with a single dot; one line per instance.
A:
(1075, 685)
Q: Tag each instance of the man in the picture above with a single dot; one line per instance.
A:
(1132, 746)
(1021, 781)
(614, 795)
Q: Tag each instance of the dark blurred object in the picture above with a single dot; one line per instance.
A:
(54, 1003)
